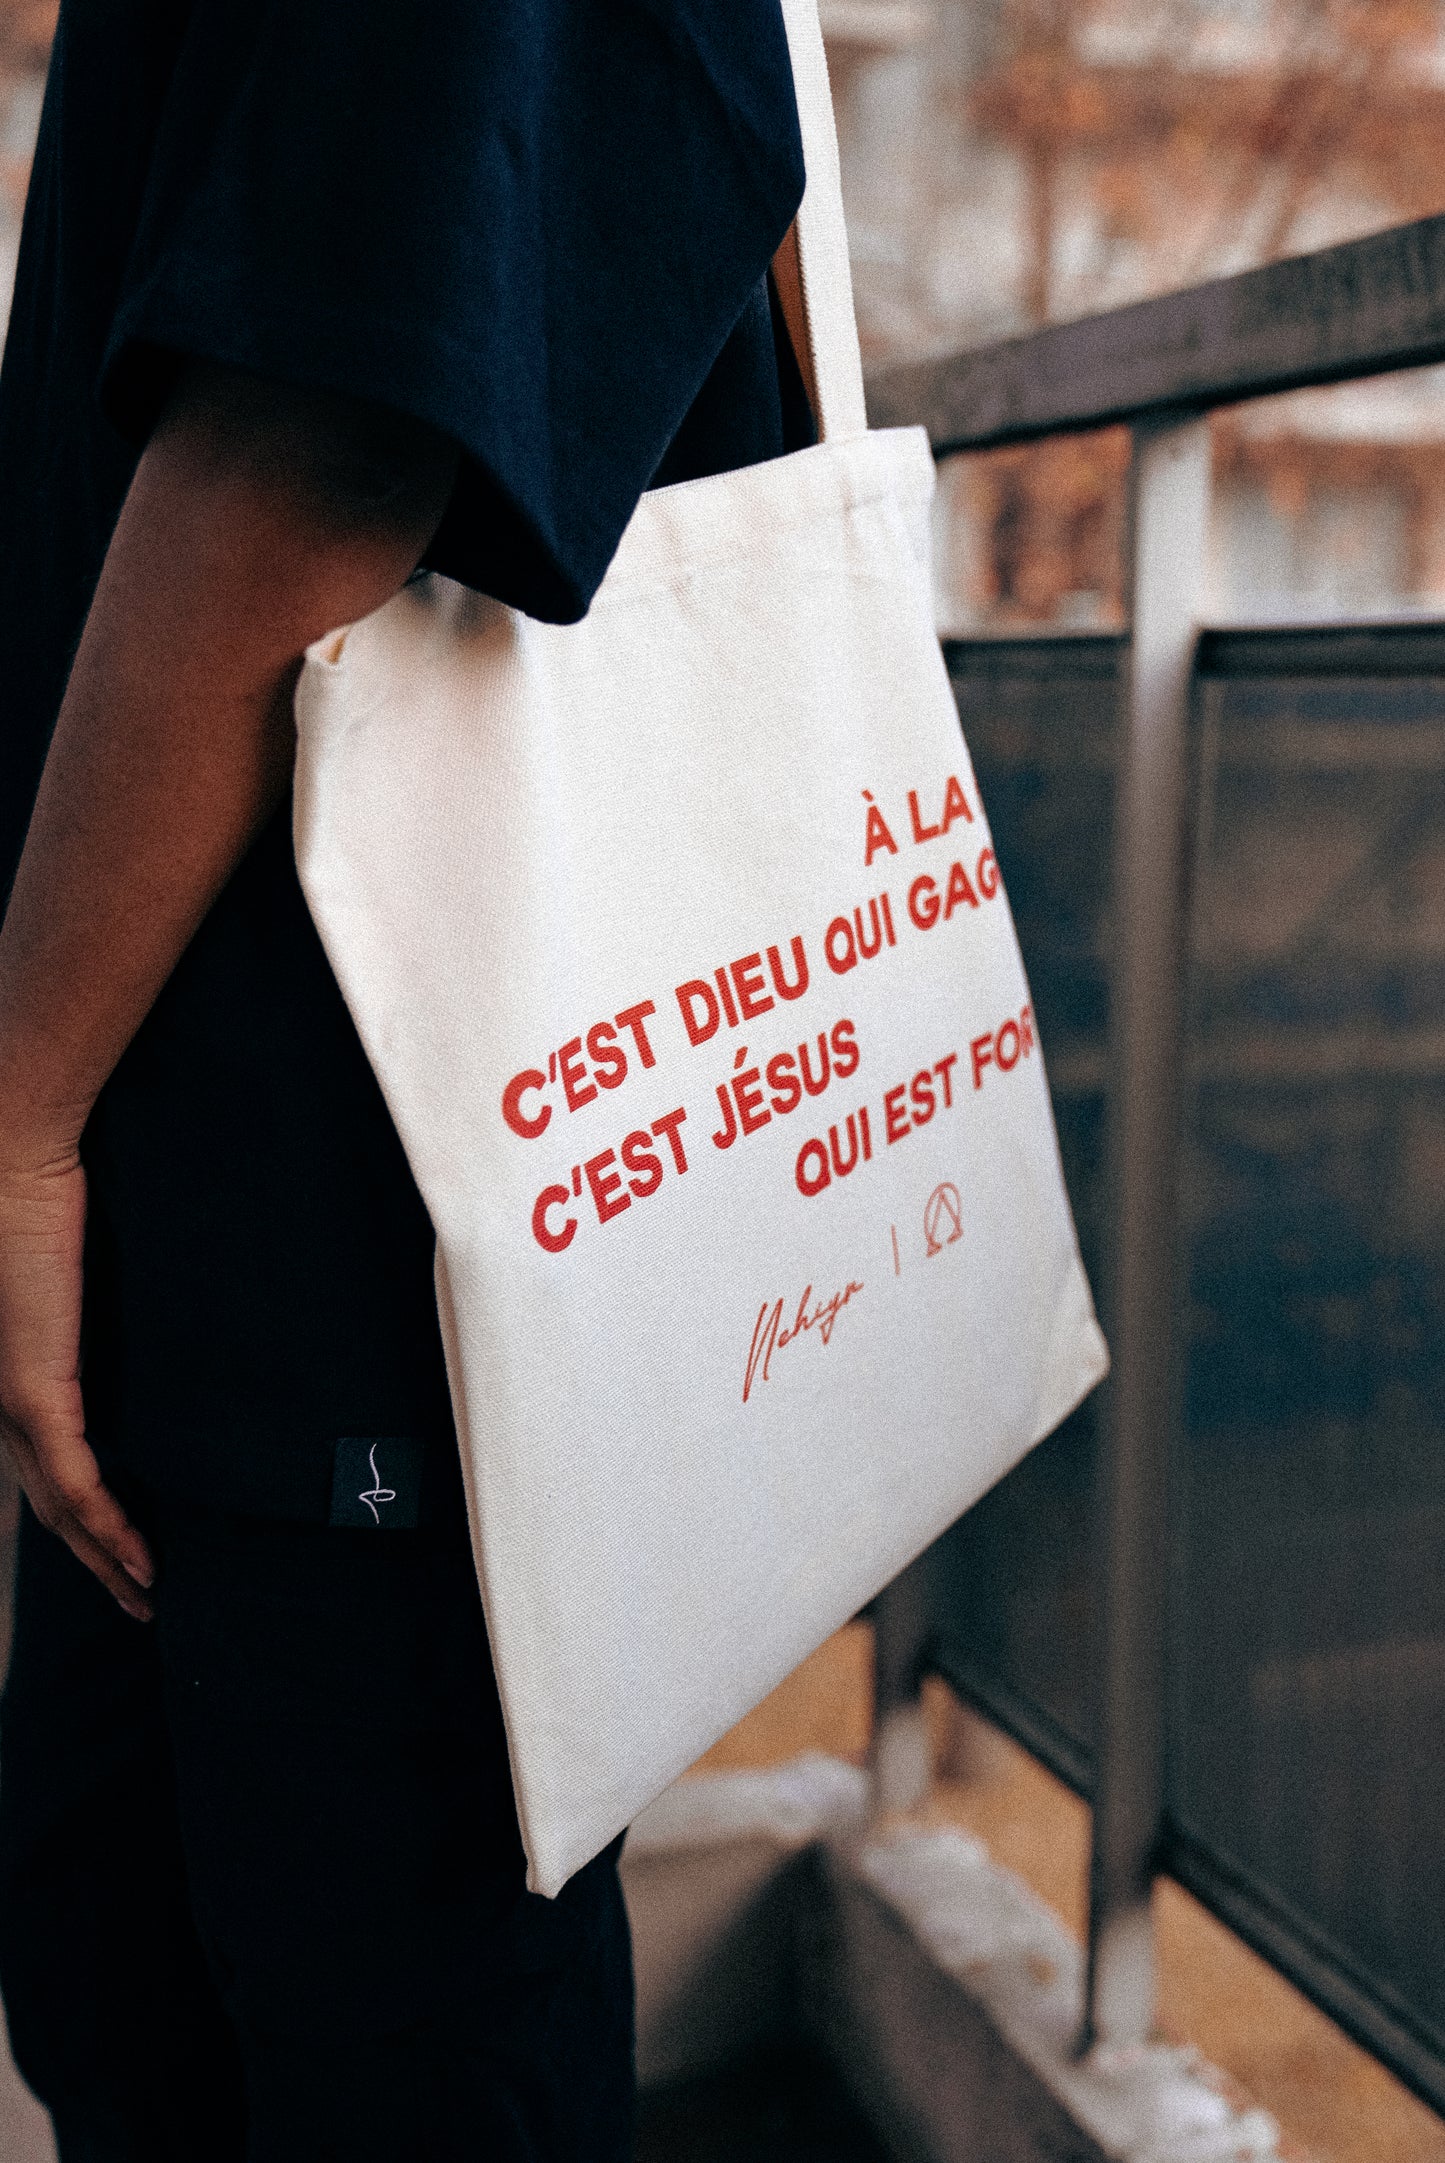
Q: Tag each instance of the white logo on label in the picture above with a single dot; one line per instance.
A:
(378, 1493)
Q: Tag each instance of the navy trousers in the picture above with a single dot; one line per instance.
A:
(261, 1885)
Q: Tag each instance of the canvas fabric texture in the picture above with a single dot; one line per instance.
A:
(678, 944)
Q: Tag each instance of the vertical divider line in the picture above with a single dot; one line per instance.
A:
(1169, 519)
(899, 1768)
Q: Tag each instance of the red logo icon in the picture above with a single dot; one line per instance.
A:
(943, 1218)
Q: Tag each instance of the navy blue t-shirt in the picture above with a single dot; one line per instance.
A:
(543, 227)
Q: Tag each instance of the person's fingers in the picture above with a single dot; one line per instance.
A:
(42, 1411)
(60, 1475)
(98, 1525)
(102, 1564)
(90, 1505)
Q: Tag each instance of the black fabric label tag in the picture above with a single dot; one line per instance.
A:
(376, 1483)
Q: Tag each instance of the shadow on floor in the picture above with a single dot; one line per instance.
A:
(785, 2107)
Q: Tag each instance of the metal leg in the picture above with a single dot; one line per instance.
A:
(1169, 537)
(900, 1765)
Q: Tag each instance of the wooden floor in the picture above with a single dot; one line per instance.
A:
(1333, 2101)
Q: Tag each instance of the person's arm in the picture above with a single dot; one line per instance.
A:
(788, 278)
(260, 517)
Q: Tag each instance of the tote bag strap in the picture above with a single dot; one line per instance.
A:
(822, 239)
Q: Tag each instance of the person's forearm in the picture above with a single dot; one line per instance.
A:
(258, 520)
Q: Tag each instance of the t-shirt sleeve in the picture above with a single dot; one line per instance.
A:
(529, 223)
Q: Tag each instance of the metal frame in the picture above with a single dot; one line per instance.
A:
(1169, 532)
(1348, 312)
(1287, 1940)
(1358, 310)
(1028, 1724)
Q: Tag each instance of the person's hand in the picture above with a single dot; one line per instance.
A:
(42, 1419)
(260, 517)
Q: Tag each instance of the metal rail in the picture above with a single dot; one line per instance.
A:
(1357, 310)
(1388, 2030)
(1402, 648)
(1345, 313)
(1169, 528)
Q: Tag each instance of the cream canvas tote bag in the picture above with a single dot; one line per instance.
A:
(677, 942)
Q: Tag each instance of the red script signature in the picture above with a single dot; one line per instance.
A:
(769, 1336)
